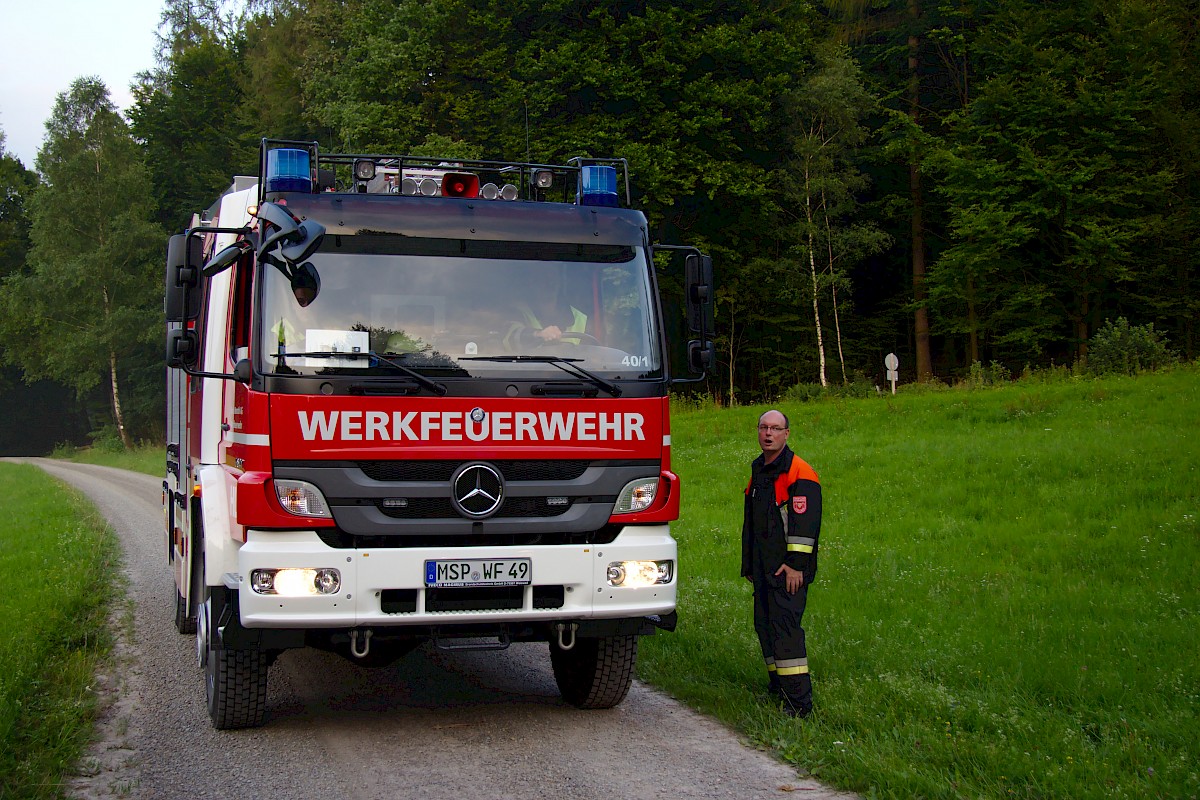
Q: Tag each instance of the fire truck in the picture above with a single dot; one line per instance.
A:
(424, 402)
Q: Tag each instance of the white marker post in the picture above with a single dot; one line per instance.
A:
(892, 363)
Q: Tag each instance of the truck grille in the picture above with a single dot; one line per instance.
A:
(342, 540)
(443, 471)
(476, 598)
(441, 508)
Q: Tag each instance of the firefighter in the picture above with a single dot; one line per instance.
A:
(545, 315)
(779, 556)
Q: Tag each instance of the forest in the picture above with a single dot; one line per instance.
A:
(964, 183)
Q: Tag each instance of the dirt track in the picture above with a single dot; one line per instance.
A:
(479, 725)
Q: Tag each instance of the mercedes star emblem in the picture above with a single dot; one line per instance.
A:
(477, 490)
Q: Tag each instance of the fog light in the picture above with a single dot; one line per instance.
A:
(263, 581)
(543, 178)
(640, 573)
(300, 582)
(327, 581)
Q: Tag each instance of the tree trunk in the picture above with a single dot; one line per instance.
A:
(812, 266)
(116, 401)
(837, 323)
(921, 320)
(1081, 330)
(732, 354)
(972, 323)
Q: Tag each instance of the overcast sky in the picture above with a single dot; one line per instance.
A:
(46, 44)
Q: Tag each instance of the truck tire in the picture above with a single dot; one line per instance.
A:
(595, 673)
(183, 622)
(235, 681)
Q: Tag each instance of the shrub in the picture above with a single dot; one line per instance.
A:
(107, 440)
(804, 393)
(859, 385)
(980, 376)
(1119, 348)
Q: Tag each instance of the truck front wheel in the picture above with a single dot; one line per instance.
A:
(235, 681)
(595, 673)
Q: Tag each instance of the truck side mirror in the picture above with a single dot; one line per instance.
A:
(183, 348)
(181, 300)
(701, 355)
(698, 282)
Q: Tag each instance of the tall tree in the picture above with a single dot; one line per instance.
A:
(1058, 184)
(918, 53)
(91, 293)
(822, 172)
(16, 188)
(191, 113)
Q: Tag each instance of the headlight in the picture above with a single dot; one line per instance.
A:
(301, 498)
(635, 574)
(296, 582)
(636, 496)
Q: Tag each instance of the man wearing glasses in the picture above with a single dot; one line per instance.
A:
(779, 556)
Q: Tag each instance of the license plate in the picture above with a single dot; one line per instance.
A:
(479, 572)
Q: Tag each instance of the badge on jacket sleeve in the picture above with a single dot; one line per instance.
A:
(800, 504)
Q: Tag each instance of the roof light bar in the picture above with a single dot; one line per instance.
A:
(288, 170)
(598, 186)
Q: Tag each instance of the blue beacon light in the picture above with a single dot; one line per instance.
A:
(598, 186)
(288, 170)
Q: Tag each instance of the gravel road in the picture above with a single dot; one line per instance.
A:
(433, 725)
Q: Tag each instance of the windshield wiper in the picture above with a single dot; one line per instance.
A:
(433, 386)
(567, 365)
(425, 383)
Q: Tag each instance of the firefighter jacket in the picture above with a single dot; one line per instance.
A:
(530, 322)
(794, 526)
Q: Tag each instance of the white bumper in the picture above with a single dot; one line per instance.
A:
(368, 574)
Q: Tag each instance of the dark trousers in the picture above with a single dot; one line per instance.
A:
(777, 621)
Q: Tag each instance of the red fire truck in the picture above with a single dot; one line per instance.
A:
(419, 401)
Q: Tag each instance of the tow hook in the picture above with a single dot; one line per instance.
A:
(366, 643)
(561, 627)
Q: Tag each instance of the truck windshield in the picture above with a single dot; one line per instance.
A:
(449, 307)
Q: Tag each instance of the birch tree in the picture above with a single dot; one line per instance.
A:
(89, 296)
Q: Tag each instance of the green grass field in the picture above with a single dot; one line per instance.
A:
(1007, 597)
(147, 458)
(58, 567)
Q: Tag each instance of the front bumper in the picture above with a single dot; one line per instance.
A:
(370, 577)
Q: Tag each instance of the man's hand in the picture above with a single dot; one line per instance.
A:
(550, 333)
(793, 578)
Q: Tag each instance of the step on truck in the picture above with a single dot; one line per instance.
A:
(424, 401)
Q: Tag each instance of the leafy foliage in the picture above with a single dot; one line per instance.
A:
(88, 298)
(1119, 348)
(986, 182)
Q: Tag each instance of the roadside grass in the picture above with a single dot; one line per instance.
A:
(1007, 599)
(146, 458)
(57, 564)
